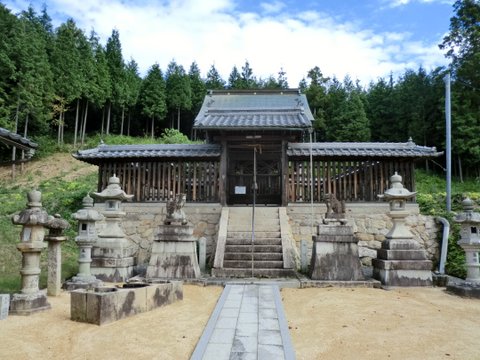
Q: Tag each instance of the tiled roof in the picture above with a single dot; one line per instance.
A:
(364, 149)
(16, 140)
(279, 109)
(104, 152)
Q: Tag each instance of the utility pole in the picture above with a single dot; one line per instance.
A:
(448, 126)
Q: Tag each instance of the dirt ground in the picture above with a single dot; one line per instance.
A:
(332, 323)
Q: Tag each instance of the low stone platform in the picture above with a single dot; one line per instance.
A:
(108, 304)
(464, 288)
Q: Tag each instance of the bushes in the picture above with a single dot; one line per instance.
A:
(431, 198)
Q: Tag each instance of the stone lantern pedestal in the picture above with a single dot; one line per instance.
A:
(401, 261)
(87, 237)
(30, 299)
(174, 250)
(470, 243)
(55, 237)
(112, 254)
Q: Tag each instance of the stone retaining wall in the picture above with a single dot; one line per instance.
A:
(369, 220)
(370, 225)
(142, 220)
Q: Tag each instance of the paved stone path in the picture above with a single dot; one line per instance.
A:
(247, 323)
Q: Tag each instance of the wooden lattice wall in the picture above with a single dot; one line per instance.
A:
(356, 180)
(152, 181)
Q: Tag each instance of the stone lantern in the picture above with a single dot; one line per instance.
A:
(112, 255)
(401, 261)
(470, 239)
(56, 226)
(87, 237)
(31, 299)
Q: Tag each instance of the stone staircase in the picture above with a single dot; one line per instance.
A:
(267, 250)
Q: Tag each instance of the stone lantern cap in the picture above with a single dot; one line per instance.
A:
(88, 213)
(34, 214)
(468, 216)
(56, 224)
(113, 191)
(396, 190)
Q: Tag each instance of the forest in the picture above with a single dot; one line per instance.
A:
(64, 84)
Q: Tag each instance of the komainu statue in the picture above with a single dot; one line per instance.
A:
(175, 213)
(335, 208)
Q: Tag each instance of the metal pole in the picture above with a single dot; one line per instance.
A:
(311, 181)
(254, 198)
(448, 125)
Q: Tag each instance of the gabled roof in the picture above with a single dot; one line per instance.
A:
(363, 149)
(105, 152)
(254, 110)
(16, 140)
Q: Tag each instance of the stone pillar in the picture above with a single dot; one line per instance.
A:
(174, 250)
(87, 237)
(31, 299)
(470, 240)
(401, 261)
(112, 255)
(55, 237)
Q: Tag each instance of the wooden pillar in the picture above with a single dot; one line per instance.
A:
(222, 184)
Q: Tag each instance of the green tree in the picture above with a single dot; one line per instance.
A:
(66, 66)
(316, 93)
(133, 82)
(179, 92)
(152, 96)
(234, 79)
(346, 119)
(116, 69)
(462, 46)
(214, 81)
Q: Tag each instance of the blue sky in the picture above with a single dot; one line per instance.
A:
(365, 39)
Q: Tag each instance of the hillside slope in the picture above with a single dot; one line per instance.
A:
(36, 171)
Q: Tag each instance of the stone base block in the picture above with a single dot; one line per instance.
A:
(400, 244)
(112, 274)
(401, 254)
(402, 264)
(403, 277)
(27, 304)
(4, 305)
(107, 304)
(336, 261)
(173, 260)
(84, 282)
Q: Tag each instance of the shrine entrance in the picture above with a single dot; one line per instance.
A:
(247, 162)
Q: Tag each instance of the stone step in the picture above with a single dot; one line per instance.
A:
(258, 234)
(256, 256)
(246, 273)
(258, 222)
(259, 210)
(233, 227)
(260, 264)
(401, 254)
(258, 241)
(256, 248)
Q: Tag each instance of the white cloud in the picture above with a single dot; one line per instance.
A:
(272, 7)
(219, 32)
(397, 3)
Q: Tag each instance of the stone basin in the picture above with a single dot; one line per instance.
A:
(104, 305)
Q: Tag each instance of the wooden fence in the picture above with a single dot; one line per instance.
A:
(152, 181)
(360, 180)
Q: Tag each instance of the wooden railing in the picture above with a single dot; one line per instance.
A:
(153, 181)
(348, 180)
